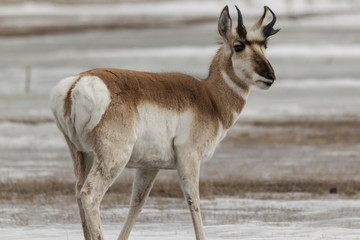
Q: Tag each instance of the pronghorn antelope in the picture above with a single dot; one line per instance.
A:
(112, 119)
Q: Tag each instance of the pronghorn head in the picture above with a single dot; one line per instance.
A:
(246, 49)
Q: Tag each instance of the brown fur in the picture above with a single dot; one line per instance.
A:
(68, 101)
(228, 101)
(261, 65)
(211, 99)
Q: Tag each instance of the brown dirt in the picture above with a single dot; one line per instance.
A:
(25, 190)
(302, 132)
(74, 24)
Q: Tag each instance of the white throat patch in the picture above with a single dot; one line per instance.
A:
(238, 90)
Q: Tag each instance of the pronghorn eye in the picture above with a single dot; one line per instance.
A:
(239, 47)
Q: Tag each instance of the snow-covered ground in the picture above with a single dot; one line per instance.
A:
(224, 218)
(164, 231)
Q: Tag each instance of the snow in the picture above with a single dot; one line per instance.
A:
(253, 230)
(315, 51)
(340, 14)
(124, 9)
(319, 83)
(275, 51)
(19, 136)
(340, 21)
(181, 8)
(326, 218)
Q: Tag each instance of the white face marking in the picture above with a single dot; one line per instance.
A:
(238, 90)
(241, 66)
(255, 35)
(260, 81)
(244, 69)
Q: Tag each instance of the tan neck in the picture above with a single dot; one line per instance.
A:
(228, 92)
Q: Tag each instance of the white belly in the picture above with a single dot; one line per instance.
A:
(156, 130)
(153, 149)
(163, 134)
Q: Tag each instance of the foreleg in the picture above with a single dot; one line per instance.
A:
(143, 183)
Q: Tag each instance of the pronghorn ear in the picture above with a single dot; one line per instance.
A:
(225, 24)
(268, 29)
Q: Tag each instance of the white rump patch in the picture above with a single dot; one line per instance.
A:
(90, 99)
(238, 90)
(57, 97)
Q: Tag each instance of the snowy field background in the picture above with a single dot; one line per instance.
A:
(316, 57)
(224, 218)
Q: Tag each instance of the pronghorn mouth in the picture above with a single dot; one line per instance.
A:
(267, 83)
(262, 84)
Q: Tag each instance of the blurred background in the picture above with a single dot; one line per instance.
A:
(305, 126)
(293, 152)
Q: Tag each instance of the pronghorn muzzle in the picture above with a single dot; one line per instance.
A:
(264, 69)
(270, 78)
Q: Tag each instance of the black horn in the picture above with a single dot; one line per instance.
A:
(240, 28)
(268, 29)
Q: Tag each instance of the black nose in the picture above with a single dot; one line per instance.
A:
(270, 75)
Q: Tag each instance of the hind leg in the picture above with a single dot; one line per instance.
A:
(112, 151)
(101, 176)
(85, 165)
(82, 164)
(143, 183)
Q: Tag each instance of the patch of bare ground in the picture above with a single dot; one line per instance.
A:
(29, 120)
(109, 23)
(29, 190)
(301, 132)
